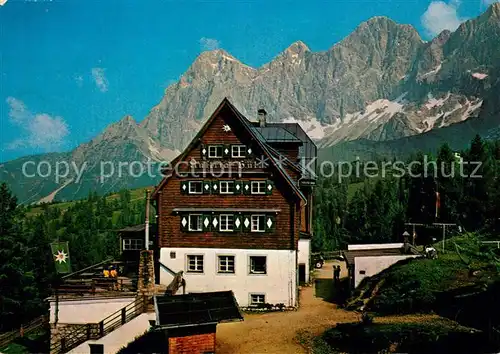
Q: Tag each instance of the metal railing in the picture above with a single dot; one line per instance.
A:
(98, 330)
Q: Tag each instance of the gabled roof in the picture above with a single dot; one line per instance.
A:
(248, 127)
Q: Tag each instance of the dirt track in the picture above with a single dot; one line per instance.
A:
(276, 332)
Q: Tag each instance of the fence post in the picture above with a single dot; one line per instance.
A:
(124, 315)
(63, 344)
(88, 331)
(101, 329)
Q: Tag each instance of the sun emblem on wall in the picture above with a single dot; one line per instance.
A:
(61, 257)
(226, 128)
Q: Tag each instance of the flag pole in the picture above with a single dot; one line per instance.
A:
(146, 231)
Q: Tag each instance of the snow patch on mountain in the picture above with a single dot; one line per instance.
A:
(479, 76)
(311, 126)
(431, 73)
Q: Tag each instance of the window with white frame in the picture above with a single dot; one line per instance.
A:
(258, 223)
(258, 187)
(214, 151)
(195, 187)
(195, 222)
(238, 151)
(258, 264)
(226, 222)
(133, 244)
(226, 264)
(195, 264)
(257, 299)
(226, 187)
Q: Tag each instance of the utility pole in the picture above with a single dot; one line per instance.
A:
(146, 232)
(444, 229)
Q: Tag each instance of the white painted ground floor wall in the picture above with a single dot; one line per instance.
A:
(279, 285)
(90, 310)
(304, 255)
(369, 266)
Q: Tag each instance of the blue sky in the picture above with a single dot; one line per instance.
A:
(69, 68)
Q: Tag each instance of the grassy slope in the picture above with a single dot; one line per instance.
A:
(135, 194)
(411, 286)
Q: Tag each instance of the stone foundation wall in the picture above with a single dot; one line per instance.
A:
(67, 332)
(146, 279)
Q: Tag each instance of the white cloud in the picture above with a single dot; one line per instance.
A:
(209, 43)
(98, 74)
(440, 16)
(41, 130)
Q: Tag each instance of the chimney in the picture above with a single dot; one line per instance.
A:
(262, 117)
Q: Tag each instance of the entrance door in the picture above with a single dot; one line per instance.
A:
(302, 273)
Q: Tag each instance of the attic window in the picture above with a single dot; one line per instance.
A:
(238, 151)
(215, 151)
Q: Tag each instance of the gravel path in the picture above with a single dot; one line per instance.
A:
(276, 332)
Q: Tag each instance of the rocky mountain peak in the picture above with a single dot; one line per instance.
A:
(297, 47)
(441, 38)
(494, 10)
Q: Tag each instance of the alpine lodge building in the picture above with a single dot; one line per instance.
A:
(235, 210)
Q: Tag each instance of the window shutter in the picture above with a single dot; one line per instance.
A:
(203, 151)
(246, 187)
(184, 187)
(215, 222)
(206, 221)
(269, 187)
(246, 222)
(207, 186)
(270, 221)
(238, 222)
(237, 187)
(184, 222)
(215, 187)
(226, 151)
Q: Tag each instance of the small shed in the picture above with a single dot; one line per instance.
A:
(132, 242)
(189, 321)
(364, 261)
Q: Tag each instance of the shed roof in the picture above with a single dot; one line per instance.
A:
(350, 255)
(196, 309)
(272, 134)
(137, 228)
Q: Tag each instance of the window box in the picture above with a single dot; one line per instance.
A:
(225, 264)
(195, 264)
(258, 265)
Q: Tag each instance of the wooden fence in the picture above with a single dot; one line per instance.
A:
(37, 323)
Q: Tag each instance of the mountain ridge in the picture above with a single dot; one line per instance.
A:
(381, 83)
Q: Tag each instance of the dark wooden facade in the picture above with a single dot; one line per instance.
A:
(286, 203)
